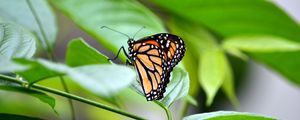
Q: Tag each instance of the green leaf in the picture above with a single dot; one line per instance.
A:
(197, 40)
(126, 16)
(243, 18)
(211, 58)
(15, 41)
(18, 11)
(260, 44)
(177, 88)
(237, 53)
(190, 61)
(227, 115)
(228, 85)
(36, 71)
(285, 63)
(5, 116)
(105, 80)
(10, 66)
(80, 53)
(39, 95)
(212, 72)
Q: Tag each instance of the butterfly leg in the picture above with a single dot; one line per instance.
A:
(128, 62)
(122, 48)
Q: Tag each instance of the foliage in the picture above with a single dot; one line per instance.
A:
(16, 117)
(78, 49)
(39, 95)
(248, 30)
(13, 37)
(227, 115)
(35, 16)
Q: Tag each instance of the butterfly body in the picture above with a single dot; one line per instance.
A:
(154, 58)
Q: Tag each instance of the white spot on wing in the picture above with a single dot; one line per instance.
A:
(168, 43)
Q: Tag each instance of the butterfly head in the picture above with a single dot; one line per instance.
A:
(130, 41)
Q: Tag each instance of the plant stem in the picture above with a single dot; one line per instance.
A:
(43, 34)
(11, 79)
(72, 96)
(50, 54)
(84, 100)
(64, 84)
(169, 115)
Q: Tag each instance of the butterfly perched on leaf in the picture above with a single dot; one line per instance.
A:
(154, 58)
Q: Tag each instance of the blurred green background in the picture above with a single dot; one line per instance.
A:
(241, 55)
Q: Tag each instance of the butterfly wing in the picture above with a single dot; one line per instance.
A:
(147, 58)
(173, 49)
(154, 58)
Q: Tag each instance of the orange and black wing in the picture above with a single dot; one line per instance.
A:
(154, 58)
(147, 58)
(173, 48)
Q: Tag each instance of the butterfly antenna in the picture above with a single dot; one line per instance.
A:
(138, 31)
(115, 31)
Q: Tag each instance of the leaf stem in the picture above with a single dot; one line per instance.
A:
(43, 34)
(169, 115)
(11, 79)
(64, 84)
(74, 97)
(87, 101)
(50, 54)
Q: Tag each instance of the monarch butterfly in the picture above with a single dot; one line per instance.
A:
(154, 58)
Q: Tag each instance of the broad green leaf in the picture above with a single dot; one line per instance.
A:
(212, 72)
(190, 61)
(15, 41)
(80, 53)
(285, 63)
(197, 40)
(126, 16)
(228, 115)
(177, 88)
(211, 59)
(228, 85)
(5, 116)
(10, 66)
(36, 71)
(18, 11)
(39, 95)
(105, 80)
(237, 53)
(260, 44)
(243, 18)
